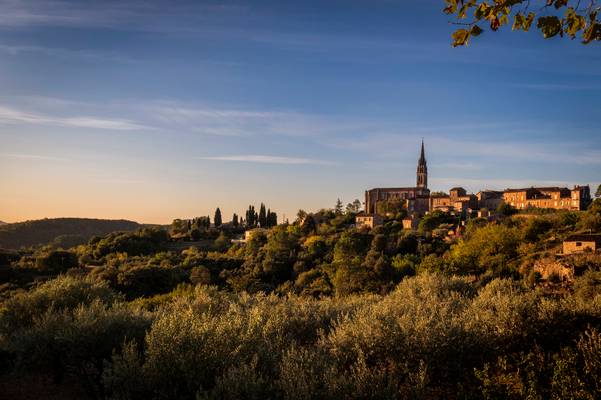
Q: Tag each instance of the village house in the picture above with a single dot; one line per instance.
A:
(251, 232)
(580, 243)
(559, 198)
(411, 223)
(489, 199)
(368, 220)
(458, 200)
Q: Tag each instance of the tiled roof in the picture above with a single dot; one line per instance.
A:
(584, 238)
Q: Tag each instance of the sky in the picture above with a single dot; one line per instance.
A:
(155, 110)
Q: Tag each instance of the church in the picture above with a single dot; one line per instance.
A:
(416, 199)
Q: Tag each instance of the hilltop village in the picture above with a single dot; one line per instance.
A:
(416, 202)
(424, 299)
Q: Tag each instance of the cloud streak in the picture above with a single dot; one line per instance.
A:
(136, 15)
(9, 115)
(266, 159)
(33, 157)
(248, 123)
(82, 54)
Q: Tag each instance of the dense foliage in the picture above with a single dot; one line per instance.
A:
(313, 309)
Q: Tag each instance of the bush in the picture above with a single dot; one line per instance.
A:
(7, 257)
(62, 294)
(66, 326)
(200, 276)
(56, 262)
(147, 280)
(493, 247)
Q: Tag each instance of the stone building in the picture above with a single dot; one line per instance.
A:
(580, 243)
(414, 199)
(411, 222)
(559, 198)
(368, 220)
(489, 199)
(457, 200)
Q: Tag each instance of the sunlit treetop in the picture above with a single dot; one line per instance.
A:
(570, 18)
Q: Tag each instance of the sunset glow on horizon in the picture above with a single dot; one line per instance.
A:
(122, 110)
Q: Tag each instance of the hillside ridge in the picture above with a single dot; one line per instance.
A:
(64, 232)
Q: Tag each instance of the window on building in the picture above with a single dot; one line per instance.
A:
(578, 244)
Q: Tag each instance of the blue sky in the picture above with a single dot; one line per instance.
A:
(152, 110)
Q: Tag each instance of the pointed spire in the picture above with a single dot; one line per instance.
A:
(422, 169)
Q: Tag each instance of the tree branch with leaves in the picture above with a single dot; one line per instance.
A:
(571, 18)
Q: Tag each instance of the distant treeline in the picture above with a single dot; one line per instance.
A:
(64, 232)
(203, 228)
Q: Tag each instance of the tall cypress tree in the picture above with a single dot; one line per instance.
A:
(338, 207)
(262, 216)
(235, 220)
(217, 218)
(251, 217)
(272, 218)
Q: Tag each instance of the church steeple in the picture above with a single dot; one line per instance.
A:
(422, 170)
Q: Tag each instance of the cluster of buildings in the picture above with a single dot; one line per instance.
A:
(418, 200)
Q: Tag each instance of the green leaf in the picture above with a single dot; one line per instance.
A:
(460, 37)
(560, 3)
(518, 21)
(574, 22)
(483, 11)
(528, 22)
(451, 7)
(503, 20)
(476, 30)
(550, 26)
(593, 33)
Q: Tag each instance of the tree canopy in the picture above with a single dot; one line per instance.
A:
(571, 18)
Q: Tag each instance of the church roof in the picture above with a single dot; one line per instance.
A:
(399, 189)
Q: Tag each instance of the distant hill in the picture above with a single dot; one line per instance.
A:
(66, 232)
(2, 223)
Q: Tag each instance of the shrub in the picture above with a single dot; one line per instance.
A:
(493, 247)
(200, 276)
(62, 294)
(65, 326)
(56, 261)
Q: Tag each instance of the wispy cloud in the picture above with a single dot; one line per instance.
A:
(558, 86)
(461, 166)
(82, 54)
(265, 159)
(28, 13)
(34, 157)
(247, 123)
(11, 115)
(119, 181)
(160, 15)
